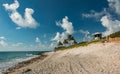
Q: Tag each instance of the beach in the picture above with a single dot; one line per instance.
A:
(99, 58)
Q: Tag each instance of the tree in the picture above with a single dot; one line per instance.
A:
(70, 37)
(65, 41)
(75, 41)
(60, 44)
(116, 34)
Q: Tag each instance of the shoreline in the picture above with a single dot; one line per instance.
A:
(99, 58)
(25, 63)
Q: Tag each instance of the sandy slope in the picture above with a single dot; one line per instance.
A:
(92, 59)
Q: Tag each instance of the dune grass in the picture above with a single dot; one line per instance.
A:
(116, 34)
(79, 44)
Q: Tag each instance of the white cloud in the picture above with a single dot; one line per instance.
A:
(57, 37)
(94, 14)
(60, 37)
(2, 38)
(17, 44)
(84, 32)
(12, 7)
(18, 28)
(110, 25)
(40, 47)
(107, 19)
(115, 5)
(26, 21)
(63, 36)
(67, 26)
(37, 40)
(87, 37)
(3, 43)
(53, 45)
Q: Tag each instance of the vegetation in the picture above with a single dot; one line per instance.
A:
(67, 43)
(79, 44)
(69, 40)
(116, 34)
(60, 44)
(70, 37)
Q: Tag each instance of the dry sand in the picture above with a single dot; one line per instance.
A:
(92, 59)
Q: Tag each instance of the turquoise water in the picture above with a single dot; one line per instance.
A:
(9, 59)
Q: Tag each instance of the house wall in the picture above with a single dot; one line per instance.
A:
(117, 39)
(97, 36)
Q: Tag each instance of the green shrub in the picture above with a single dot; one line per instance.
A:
(116, 34)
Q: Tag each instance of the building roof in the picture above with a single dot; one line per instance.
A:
(97, 33)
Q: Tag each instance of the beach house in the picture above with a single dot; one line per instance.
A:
(97, 36)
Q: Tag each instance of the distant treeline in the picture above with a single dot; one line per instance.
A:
(116, 34)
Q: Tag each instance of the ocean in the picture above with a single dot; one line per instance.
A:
(9, 59)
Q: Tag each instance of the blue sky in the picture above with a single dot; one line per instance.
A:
(39, 25)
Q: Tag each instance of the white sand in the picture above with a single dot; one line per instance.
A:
(92, 59)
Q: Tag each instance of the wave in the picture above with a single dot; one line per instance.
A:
(4, 65)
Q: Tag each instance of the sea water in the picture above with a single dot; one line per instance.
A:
(9, 59)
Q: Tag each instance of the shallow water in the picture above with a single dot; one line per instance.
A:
(9, 59)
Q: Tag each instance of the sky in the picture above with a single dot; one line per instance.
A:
(37, 25)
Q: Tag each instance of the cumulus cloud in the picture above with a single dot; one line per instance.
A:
(57, 37)
(115, 5)
(12, 7)
(52, 45)
(111, 25)
(63, 36)
(87, 35)
(37, 40)
(67, 27)
(17, 18)
(107, 19)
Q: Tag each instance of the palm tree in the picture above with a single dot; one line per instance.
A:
(65, 41)
(60, 44)
(70, 37)
(69, 40)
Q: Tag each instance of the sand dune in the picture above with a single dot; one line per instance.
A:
(92, 59)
